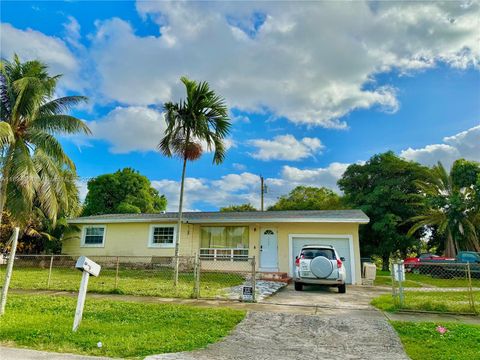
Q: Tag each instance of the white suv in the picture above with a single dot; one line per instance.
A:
(321, 265)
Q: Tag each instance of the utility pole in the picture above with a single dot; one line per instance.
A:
(263, 190)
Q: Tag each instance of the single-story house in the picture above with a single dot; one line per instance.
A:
(273, 237)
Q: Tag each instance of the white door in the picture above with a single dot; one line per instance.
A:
(342, 245)
(268, 250)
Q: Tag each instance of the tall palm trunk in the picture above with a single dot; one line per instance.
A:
(4, 183)
(450, 250)
(179, 224)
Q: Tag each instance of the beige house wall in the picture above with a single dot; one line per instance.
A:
(131, 239)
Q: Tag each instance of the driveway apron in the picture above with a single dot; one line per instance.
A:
(344, 328)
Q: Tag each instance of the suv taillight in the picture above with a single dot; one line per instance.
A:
(339, 263)
(297, 260)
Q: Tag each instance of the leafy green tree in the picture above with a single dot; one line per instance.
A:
(309, 198)
(242, 207)
(201, 118)
(125, 191)
(384, 188)
(32, 159)
(465, 173)
(451, 206)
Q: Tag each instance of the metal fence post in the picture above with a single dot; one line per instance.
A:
(196, 285)
(400, 284)
(116, 272)
(50, 271)
(470, 289)
(254, 281)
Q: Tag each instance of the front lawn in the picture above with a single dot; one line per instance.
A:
(451, 301)
(150, 282)
(422, 341)
(125, 329)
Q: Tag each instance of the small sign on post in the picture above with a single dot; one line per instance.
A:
(88, 267)
(247, 293)
(399, 271)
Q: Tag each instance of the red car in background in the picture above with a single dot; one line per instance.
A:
(413, 264)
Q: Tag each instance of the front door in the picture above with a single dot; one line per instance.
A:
(268, 250)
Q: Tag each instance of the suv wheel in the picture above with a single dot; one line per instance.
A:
(342, 289)
(298, 286)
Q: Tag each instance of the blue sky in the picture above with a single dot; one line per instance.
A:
(312, 87)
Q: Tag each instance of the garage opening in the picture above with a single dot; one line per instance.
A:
(343, 246)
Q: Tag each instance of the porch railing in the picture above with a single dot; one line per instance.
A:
(231, 254)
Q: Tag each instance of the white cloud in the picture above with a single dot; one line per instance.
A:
(431, 154)
(281, 67)
(286, 147)
(240, 119)
(239, 167)
(82, 189)
(326, 177)
(133, 128)
(129, 129)
(465, 144)
(245, 187)
(30, 45)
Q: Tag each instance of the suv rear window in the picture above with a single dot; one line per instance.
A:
(313, 253)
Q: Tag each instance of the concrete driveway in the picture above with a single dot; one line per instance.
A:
(278, 336)
(356, 297)
(342, 326)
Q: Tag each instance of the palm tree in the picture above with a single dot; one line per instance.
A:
(200, 119)
(32, 159)
(451, 209)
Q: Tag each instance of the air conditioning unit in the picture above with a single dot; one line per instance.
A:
(369, 272)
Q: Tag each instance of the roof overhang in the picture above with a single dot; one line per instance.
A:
(220, 221)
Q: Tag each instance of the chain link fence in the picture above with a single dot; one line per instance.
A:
(137, 275)
(447, 287)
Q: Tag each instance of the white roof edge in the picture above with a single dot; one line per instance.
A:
(213, 221)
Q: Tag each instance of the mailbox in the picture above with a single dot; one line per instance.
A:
(85, 264)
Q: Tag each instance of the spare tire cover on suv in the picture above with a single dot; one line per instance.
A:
(321, 267)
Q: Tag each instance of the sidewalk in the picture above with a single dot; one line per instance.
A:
(314, 309)
(7, 353)
(264, 307)
(432, 317)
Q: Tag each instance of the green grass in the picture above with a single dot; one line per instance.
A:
(387, 281)
(149, 282)
(457, 301)
(127, 330)
(421, 280)
(422, 341)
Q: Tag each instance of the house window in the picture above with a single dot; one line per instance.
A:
(162, 236)
(93, 236)
(224, 242)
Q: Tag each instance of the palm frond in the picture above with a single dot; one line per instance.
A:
(6, 134)
(60, 124)
(59, 105)
(50, 145)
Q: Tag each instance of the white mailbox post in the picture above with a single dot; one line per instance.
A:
(399, 276)
(88, 267)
